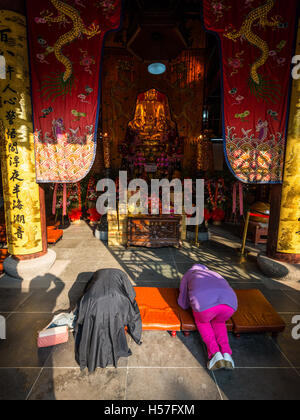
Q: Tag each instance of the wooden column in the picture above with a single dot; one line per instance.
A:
(276, 191)
(18, 150)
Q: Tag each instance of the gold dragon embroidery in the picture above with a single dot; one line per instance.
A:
(260, 14)
(66, 11)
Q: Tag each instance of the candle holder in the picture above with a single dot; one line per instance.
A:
(204, 150)
(106, 153)
(199, 154)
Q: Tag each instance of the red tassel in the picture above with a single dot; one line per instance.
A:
(54, 200)
(64, 199)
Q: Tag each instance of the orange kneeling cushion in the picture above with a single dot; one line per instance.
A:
(3, 255)
(160, 310)
(2, 233)
(54, 235)
(158, 307)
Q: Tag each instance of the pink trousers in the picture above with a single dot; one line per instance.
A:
(211, 325)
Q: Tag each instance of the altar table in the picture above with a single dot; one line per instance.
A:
(154, 231)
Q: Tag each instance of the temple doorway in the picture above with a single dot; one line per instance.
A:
(150, 124)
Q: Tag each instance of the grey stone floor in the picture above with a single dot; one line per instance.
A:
(163, 368)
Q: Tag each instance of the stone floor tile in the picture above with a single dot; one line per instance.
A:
(174, 368)
(81, 233)
(63, 253)
(68, 243)
(63, 356)
(87, 264)
(142, 255)
(229, 272)
(59, 267)
(57, 298)
(256, 350)
(179, 351)
(76, 275)
(245, 286)
(294, 295)
(43, 300)
(157, 283)
(72, 384)
(186, 257)
(20, 347)
(287, 342)
(154, 271)
(10, 299)
(281, 301)
(171, 384)
(90, 244)
(183, 267)
(118, 266)
(259, 384)
(15, 384)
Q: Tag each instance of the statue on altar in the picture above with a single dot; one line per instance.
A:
(152, 147)
(152, 116)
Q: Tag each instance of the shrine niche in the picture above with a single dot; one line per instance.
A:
(152, 147)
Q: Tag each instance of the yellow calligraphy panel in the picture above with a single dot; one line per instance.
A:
(20, 190)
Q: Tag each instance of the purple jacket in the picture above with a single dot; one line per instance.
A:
(203, 289)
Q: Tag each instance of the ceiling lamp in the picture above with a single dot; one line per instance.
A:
(157, 68)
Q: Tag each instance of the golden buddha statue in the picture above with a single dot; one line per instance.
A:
(152, 116)
(152, 139)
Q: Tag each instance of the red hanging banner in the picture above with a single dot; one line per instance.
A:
(257, 40)
(66, 41)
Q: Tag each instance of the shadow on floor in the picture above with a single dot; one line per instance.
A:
(279, 358)
(21, 362)
(267, 369)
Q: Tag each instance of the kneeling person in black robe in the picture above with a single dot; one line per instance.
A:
(107, 306)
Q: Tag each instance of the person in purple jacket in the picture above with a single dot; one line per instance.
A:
(213, 303)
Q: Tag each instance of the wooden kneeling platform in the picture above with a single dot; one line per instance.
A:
(256, 314)
(160, 311)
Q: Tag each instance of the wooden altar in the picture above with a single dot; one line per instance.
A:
(152, 150)
(154, 231)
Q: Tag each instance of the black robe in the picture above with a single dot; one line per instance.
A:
(107, 306)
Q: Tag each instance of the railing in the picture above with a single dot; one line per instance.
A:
(245, 234)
